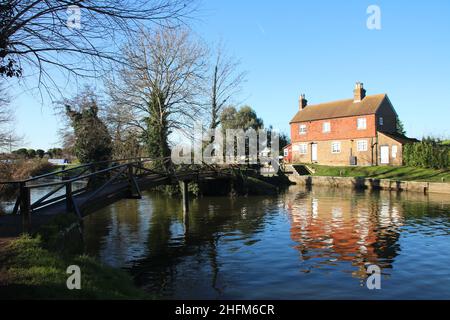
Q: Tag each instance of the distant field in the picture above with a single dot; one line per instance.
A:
(385, 172)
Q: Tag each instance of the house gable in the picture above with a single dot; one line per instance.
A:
(389, 116)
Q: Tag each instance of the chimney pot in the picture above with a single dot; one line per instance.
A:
(302, 102)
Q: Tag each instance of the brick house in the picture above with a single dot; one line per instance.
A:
(359, 131)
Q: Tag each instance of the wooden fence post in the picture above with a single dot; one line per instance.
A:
(69, 204)
(25, 207)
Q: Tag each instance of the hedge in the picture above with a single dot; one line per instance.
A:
(429, 153)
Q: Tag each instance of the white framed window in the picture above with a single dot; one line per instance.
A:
(380, 121)
(326, 127)
(286, 152)
(303, 148)
(335, 147)
(302, 129)
(362, 123)
(394, 151)
(361, 145)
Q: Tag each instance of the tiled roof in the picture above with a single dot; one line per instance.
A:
(341, 108)
(399, 137)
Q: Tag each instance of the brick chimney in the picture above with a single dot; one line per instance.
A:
(359, 93)
(302, 102)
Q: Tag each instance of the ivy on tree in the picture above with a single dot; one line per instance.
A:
(92, 139)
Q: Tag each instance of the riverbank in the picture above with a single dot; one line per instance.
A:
(381, 178)
(383, 172)
(34, 267)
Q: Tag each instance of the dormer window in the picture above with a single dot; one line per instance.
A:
(302, 129)
(326, 127)
(361, 124)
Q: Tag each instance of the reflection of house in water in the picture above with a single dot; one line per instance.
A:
(344, 226)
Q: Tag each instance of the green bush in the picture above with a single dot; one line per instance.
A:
(429, 153)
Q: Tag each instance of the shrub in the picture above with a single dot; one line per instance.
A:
(429, 153)
(31, 153)
(19, 170)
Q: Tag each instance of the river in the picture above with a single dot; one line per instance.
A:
(302, 244)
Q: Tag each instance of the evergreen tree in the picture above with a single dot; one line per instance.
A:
(400, 127)
(157, 133)
(93, 142)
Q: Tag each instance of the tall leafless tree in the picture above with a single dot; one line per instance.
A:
(223, 84)
(161, 82)
(8, 138)
(126, 136)
(76, 36)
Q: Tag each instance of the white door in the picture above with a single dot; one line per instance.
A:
(314, 152)
(384, 150)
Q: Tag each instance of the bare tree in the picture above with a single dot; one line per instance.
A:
(126, 136)
(8, 138)
(73, 36)
(161, 84)
(224, 83)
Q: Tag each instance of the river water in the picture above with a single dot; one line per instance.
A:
(302, 244)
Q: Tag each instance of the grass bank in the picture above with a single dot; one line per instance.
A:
(384, 172)
(34, 268)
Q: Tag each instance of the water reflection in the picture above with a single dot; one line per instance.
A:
(302, 244)
(360, 228)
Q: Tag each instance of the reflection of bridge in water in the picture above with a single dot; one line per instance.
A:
(345, 228)
(171, 238)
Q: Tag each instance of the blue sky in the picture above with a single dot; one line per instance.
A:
(320, 48)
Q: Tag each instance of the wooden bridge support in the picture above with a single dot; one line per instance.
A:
(185, 194)
(25, 207)
(69, 199)
(135, 192)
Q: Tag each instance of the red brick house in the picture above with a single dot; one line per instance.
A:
(359, 131)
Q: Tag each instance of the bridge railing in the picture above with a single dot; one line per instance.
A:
(111, 171)
(117, 170)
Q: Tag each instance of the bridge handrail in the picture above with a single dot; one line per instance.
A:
(140, 159)
(49, 184)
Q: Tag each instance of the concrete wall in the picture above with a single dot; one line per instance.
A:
(368, 183)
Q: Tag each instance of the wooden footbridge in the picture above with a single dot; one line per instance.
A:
(86, 188)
